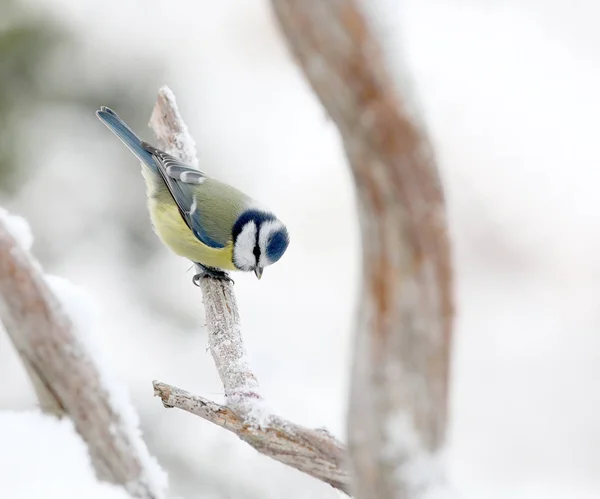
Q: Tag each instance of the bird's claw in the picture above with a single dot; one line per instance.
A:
(210, 273)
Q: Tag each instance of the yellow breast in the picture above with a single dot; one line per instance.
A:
(175, 234)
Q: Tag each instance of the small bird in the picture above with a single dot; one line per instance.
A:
(213, 224)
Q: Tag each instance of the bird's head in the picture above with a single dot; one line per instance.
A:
(259, 240)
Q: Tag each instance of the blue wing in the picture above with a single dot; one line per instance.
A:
(183, 182)
(179, 178)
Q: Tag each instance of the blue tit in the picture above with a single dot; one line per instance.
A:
(214, 225)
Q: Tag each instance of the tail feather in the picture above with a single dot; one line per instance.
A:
(127, 136)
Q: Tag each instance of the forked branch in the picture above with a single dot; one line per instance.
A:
(314, 452)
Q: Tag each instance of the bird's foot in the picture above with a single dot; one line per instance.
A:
(209, 273)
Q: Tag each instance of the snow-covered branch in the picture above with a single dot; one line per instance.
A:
(65, 374)
(222, 318)
(398, 406)
(18, 309)
(314, 452)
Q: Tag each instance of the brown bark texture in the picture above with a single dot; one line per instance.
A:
(399, 395)
(64, 373)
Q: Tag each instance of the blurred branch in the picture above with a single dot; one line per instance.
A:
(48, 401)
(64, 374)
(312, 451)
(398, 406)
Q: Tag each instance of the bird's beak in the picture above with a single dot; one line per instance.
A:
(258, 272)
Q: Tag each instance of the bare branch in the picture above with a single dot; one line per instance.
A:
(48, 401)
(398, 406)
(65, 375)
(314, 452)
(222, 317)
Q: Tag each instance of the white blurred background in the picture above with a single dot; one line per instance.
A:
(509, 90)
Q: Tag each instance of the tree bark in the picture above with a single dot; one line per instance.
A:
(399, 395)
(65, 374)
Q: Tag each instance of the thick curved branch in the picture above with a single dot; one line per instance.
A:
(398, 406)
(314, 452)
(65, 374)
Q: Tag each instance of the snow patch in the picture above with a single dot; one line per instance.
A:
(19, 228)
(416, 468)
(185, 146)
(42, 456)
(259, 413)
(80, 306)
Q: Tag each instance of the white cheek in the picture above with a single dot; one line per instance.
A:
(243, 252)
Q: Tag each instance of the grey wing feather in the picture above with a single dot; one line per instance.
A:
(181, 180)
(186, 174)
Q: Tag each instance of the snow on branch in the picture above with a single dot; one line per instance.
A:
(398, 403)
(65, 373)
(314, 452)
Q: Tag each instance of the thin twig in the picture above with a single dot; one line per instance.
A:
(398, 406)
(314, 452)
(65, 373)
